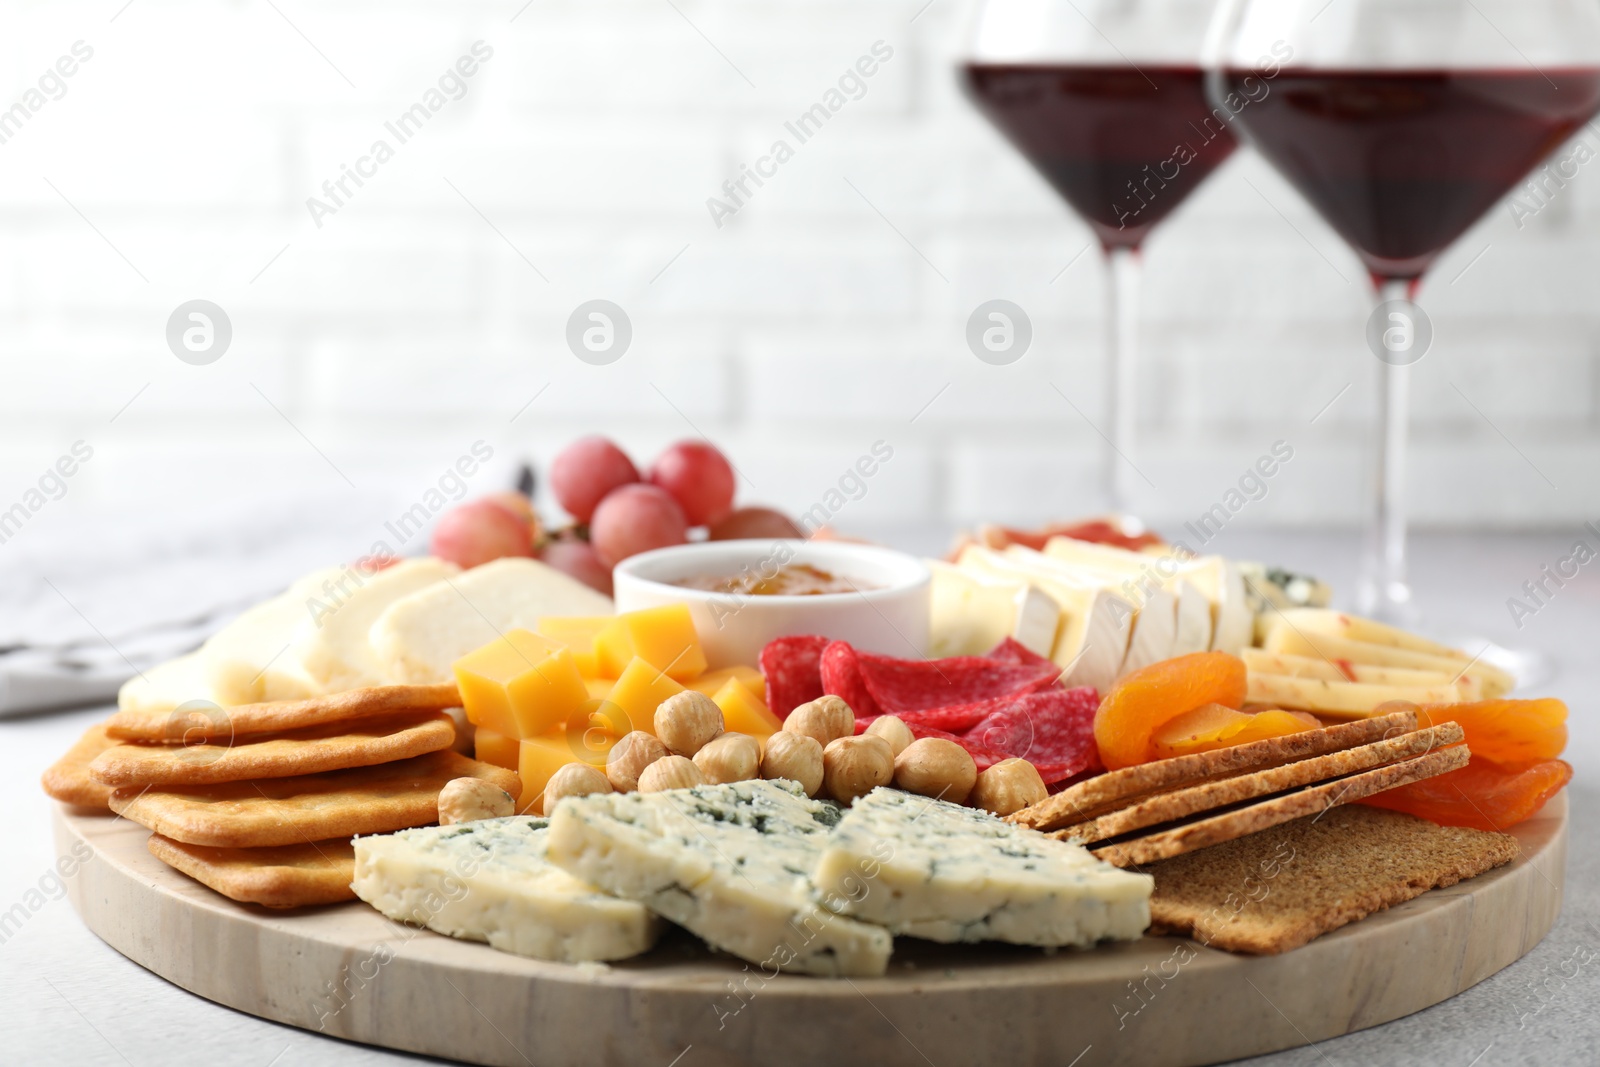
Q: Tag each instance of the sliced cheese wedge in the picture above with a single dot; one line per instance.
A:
(249, 661)
(1343, 699)
(1096, 624)
(1134, 577)
(332, 645)
(1193, 630)
(167, 685)
(971, 613)
(1232, 620)
(1290, 640)
(419, 636)
(1371, 632)
(1259, 659)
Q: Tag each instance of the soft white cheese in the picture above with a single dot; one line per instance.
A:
(931, 869)
(489, 881)
(729, 863)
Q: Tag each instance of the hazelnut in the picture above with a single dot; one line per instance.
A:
(573, 780)
(935, 767)
(630, 756)
(686, 721)
(1008, 787)
(894, 730)
(825, 718)
(471, 799)
(729, 758)
(796, 757)
(855, 766)
(670, 772)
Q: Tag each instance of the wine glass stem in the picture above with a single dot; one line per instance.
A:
(1122, 359)
(1385, 593)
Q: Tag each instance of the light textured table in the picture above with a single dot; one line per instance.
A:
(66, 998)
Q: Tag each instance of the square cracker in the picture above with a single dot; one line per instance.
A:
(310, 750)
(207, 722)
(288, 876)
(312, 807)
(1280, 888)
(68, 779)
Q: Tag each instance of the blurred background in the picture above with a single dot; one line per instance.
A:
(377, 338)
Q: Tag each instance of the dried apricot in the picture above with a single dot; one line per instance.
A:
(1511, 733)
(1147, 699)
(1481, 795)
(1216, 726)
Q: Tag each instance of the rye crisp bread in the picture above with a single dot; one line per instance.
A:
(312, 807)
(207, 722)
(288, 876)
(68, 779)
(1210, 796)
(1289, 884)
(309, 750)
(1105, 792)
(1254, 818)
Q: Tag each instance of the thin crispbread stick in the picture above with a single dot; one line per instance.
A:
(1209, 796)
(1248, 820)
(1098, 795)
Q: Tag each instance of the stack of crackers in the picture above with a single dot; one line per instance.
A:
(1250, 806)
(260, 801)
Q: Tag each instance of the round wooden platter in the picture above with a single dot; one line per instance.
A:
(346, 971)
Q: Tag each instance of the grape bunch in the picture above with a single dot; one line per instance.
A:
(616, 511)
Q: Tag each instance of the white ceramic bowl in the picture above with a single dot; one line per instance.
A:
(734, 628)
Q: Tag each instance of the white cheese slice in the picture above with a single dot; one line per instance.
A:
(250, 659)
(331, 643)
(969, 614)
(166, 685)
(1136, 578)
(1232, 619)
(419, 636)
(1093, 640)
(1155, 630)
(1291, 640)
(730, 863)
(1193, 632)
(928, 868)
(489, 881)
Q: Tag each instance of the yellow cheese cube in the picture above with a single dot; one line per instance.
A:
(711, 681)
(521, 685)
(599, 688)
(541, 757)
(742, 713)
(495, 748)
(663, 637)
(638, 692)
(577, 632)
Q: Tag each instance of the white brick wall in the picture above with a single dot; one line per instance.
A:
(797, 334)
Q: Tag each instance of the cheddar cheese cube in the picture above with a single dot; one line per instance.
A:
(663, 637)
(711, 681)
(520, 685)
(540, 757)
(743, 712)
(638, 692)
(496, 748)
(577, 632)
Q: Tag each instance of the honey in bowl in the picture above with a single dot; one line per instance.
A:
(793, 579)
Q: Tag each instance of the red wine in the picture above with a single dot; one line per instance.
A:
(1123, 146)
(1402, 162)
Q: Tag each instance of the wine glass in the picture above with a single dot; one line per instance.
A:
(1403, 122)
(1106, 99)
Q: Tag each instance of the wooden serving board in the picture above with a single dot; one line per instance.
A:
(346, 971)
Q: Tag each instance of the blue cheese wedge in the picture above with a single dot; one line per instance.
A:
(729, 863)
(931, 869)
(489, 881)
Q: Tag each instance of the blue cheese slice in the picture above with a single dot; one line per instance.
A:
(730, 863)
(931, 869)
(489, 881)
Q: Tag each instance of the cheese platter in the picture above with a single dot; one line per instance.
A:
(1069, 795)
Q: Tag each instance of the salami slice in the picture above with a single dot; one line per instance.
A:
(1010, 650)
(1053, 730)
(792, 667)
(841, 676)
(899, 685)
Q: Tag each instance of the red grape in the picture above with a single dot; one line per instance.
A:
(581, 561)
(634, 519)
(585, 471)
(755, 522)
(699, 478)
(479, 531)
